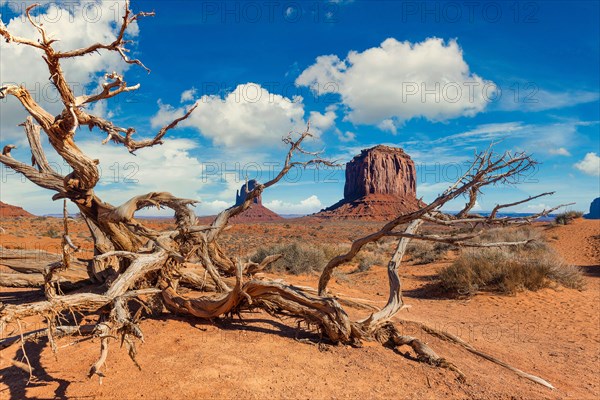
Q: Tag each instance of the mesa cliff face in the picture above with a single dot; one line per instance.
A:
(380, 184)
(380, 170)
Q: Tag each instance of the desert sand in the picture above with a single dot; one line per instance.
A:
(553, 333)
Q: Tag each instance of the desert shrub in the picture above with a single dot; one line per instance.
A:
(53, 233)
(367, 259)
(506, 270)
(333, 250)
(566, 217)
(534, 239)
(423, 252)
(298, 258)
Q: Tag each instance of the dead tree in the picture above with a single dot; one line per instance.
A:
(134, 262)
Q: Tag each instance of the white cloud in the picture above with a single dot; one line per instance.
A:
(561, 151)
(485, 133)
(534, 208)
(123, 175)
(590, 164)
(345, 136)
(388, 125)
(392, 83)
(212, 207)
(552, 138)
(188, 95)
(309, 205)
(249, 116)
(75, 25)
(165, 114)
(531, 98)
(322, 122)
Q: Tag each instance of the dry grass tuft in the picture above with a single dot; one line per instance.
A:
(298, 258)
(566, 217)
(509, 270)
(422, 252)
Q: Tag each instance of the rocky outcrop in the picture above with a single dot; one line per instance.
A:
(380, 184)
(240, 195)
(8, 211)
(380, 170)
(594, 210)
(257, 212)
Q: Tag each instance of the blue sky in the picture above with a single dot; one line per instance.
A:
(439, 79)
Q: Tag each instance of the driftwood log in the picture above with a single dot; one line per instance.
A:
(133, 261)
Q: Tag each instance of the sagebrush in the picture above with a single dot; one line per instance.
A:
(509, 270)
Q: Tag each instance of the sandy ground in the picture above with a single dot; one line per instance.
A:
(553, 333)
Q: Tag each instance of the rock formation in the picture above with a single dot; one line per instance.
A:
(9, 211)
(380, 184)
(594, 210)
(247, 187)
(257, 212)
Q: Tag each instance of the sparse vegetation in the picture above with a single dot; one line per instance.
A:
(509, 270)
(53, 233)
(151, 260)
(367, 259)
(566, 217)
(298, 258)
(422, 252)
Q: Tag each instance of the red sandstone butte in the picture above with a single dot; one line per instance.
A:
(380, 184)
(257, 212)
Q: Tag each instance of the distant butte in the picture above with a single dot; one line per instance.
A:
(257, 212)
(380, 184)
(9, 211)
(594, 210)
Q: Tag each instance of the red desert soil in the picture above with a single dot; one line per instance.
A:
(552, 333)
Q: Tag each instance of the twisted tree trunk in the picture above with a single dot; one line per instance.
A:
(133, 261)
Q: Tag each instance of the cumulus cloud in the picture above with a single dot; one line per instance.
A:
(248, 116)
(397, 81)
(561, 151)
(75, 24)
(309, 205)
(123, 175)
(188, 95)
(388, 125)
(590, 164)
(320, 123)
(345, 136)
(212, 207)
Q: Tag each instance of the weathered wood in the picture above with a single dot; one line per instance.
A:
(19, 280)
(133, 260)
